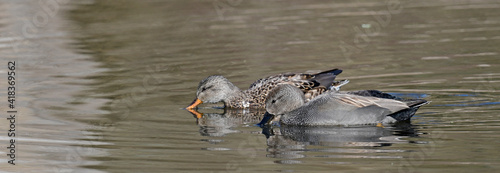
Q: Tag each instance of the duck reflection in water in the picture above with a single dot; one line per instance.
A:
(220, 122)
(292, 142)
(223, 122)
(288, 143)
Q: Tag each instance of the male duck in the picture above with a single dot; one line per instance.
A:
(287, 103)
(215, 89)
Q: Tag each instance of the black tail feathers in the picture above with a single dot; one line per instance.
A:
(327, 78)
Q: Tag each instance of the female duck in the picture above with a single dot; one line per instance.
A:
(215, 89)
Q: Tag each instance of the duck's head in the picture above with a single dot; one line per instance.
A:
(280, 100)
(213, 89)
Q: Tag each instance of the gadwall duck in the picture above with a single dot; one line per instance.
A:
(287, 104)
(214, 89)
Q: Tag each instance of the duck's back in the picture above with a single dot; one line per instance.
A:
(311, 84)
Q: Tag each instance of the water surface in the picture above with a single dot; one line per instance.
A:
(103, 84)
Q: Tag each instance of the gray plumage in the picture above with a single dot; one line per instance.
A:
(334, 108)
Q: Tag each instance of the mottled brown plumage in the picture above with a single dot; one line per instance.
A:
(215, 89)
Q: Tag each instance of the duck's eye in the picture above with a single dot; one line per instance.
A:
(273, 101)
(205, 88)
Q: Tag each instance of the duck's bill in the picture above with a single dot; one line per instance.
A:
(266, 120)
(195, 103)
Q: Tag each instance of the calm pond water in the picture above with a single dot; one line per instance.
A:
(101, 85)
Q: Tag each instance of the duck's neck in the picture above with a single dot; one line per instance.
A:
(236, 98)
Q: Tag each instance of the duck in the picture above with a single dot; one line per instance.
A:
(286, 104)
(217, 88)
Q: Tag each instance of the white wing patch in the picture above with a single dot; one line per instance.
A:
(246, 104)
(359, 101)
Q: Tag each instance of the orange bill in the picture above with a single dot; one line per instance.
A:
(195, 113)
(195, 103)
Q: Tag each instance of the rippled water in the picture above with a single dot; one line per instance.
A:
(101, 84)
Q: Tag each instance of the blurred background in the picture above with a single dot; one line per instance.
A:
(101, 84)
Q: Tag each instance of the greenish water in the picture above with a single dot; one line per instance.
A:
(102, 84)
